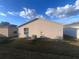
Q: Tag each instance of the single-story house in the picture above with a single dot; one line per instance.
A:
(8, 30)
(41, 27)
(72, 30)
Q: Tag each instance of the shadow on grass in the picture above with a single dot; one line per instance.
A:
(5, 40)
(56, 48)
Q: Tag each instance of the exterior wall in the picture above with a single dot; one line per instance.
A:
(71, 32)
(11, 31)
(4, 32)
(8, 31)
(33, 29)
(77, 33)
(48, 29)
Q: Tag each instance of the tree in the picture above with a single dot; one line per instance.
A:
(4, 23)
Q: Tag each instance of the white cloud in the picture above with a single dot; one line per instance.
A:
(28, 13)
(39, 16)
(13, 13)
(77, 4)
(3, 14)
(65, 11)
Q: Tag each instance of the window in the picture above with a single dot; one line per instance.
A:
(26, 31)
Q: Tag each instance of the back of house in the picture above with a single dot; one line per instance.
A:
(41, 27)
(72, 30)
(3, 31)
(8, 30)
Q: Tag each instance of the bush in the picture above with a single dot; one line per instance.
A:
(4, 40)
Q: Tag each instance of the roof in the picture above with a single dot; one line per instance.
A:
(6, 26)
(28, 22)
(73, 25)
(35, 20)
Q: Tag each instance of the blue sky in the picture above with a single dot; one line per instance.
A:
(20, 11)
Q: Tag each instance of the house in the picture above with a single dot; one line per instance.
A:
(8, 30)
(41, 28)
(72, 30)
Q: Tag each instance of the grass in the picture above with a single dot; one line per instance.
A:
(33, 49)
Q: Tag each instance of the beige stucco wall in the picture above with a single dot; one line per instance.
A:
(50, 29)
(77, 33)
(3, 31)
(7, 31)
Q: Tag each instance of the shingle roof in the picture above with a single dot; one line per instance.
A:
(35, 20)
(29, 22)
(75, 23)
(72, 25)
(7, 26)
